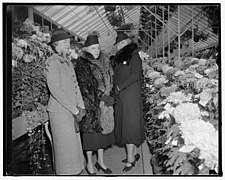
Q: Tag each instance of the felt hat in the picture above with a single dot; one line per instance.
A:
(120, 37)
(91, 39)
(59, 34)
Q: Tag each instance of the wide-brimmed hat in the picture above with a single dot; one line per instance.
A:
(59, 34)
(120, 37)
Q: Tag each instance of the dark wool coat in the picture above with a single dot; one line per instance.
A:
(91, 94)
(129, 122)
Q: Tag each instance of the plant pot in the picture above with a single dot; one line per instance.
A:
(110, 8)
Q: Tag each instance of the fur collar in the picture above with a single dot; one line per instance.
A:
(126, 53)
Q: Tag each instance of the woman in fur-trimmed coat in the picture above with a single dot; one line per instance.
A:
(94, 75)
(129, 122)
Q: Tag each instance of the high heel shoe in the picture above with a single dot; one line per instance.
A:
(106, 171)
(89, 172)
(128, 168)
(137, 157)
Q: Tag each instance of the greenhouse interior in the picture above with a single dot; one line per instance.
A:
(179, 45)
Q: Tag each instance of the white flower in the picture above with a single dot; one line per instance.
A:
(205, 97)
(28, 58)
(169, 109)
(202, 62)
(161, 80)
(14, 63)
(194, 66)
(201, 83)
(197, 75)
(207, 71)
(179, 73)
(34, 36)
(124, 62)
(186, 112)
(174, 142)
(164, 114)
(204, 136)
(22, 43)
(152, 74)
(148, 85)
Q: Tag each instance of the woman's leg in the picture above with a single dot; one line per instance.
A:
(90, 166)
(135, 149)
(130, 154)
(101, 159)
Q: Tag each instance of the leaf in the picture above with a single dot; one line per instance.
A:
(186, 149)
(179, 160)
(173, 156)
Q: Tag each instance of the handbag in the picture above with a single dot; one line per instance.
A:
(106, 118)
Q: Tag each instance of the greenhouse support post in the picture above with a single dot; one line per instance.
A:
(156, 36)
(168, 34)
(163, 33)
(160, 19)
(178, 32)
(192, 36)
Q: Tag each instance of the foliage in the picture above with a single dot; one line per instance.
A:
(181, 100)
(29, 53)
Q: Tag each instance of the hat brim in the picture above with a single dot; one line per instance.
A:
(60, 37)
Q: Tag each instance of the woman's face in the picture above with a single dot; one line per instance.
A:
(63, 46)
(94, 50)
(121, 44)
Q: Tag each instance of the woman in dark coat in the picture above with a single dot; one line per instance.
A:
(129, 122)
(94, 75)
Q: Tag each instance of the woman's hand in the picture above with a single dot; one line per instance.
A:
(81, 114)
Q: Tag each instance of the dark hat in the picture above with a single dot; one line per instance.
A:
(91, 39)
(120, 37)
(59, 34)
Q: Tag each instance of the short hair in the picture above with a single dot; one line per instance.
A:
(53, 45)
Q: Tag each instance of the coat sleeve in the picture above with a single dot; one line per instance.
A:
(53, 81)
(136, 70)
(88, 85)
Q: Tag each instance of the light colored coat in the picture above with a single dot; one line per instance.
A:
(64, 98)
(62, 83)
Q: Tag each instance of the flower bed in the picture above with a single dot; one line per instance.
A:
(181, 114)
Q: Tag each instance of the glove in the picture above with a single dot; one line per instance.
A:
(81, 114)
(104, 98)
(110, 101)
(117, 91)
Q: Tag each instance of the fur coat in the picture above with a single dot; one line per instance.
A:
(94, 77)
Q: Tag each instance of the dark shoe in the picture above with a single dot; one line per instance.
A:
(89, 172)
(106, 171)
(137, 157)
(128, 168)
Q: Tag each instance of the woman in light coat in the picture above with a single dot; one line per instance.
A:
(65, 107)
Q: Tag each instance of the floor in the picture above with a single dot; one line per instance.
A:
(115, 154)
